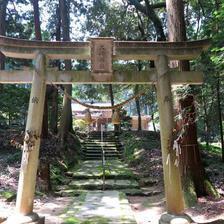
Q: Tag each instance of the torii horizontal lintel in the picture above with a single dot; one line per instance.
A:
(118, 77)
(123, 50)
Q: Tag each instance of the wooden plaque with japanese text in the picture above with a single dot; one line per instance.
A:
(101, 58)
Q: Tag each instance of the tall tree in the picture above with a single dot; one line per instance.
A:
(38, 36)
(3, 6)
(191, 171)
(220, 70)
(66, 117)
(219, 108)
(44, 167)
(36, 11)
(137, 102)
(176, 27)
(54, 94)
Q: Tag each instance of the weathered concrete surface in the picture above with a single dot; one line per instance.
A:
(100, 207)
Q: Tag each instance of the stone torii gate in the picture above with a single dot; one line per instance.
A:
(102, 52)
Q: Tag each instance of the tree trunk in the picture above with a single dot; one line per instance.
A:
(152, 116)
(177, 28)
(36, 10)
(153, 122)
(206, 122)
(3, 6)
(191, 163)
(220, 116)
(66, 117)
(54, 95)
(111, 94)
(44, 166)
(38, 36)
(137, 102)
(195, 171)
(54, 111)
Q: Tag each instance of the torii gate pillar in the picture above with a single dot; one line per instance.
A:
(172, 180)
(30, 157)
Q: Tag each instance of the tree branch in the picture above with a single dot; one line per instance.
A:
(150, 13)
(159, 5)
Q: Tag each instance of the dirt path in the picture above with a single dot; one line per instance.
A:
(149, 209)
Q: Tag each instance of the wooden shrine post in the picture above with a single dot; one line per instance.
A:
(172, 181)
(30, 157)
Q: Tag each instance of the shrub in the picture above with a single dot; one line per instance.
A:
(79, 124)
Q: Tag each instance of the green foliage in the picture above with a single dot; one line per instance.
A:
(14, 157)
(13, 105)
(137, 142)
(19, 23)
(125, 120)
(7, 194)
(105, 18)
(212, 148)
(57, 175)
(71, 220)
(132, 143)
(79, 124)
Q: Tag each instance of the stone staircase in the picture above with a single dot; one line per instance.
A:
(92, 146)
(88, 176)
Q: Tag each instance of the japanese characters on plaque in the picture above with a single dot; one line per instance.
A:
(101, 58)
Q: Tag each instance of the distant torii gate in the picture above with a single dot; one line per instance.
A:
(101, 52)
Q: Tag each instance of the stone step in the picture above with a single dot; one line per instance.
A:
(99, 151)
(104, 139)
(99, 154)
(99, 144)
(91, 157)
(110, 184)
(100, 148)
(64, 192)
(99, 133)
(88, 158)
(94, 169)
(100, 157)
(109, 175)
(104, 134)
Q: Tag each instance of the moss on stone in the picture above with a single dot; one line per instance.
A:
(8, 195)
(91, 220)
(210, 190)
(190, 196)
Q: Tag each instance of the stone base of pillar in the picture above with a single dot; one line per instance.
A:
(167, 218)
(33, 218)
